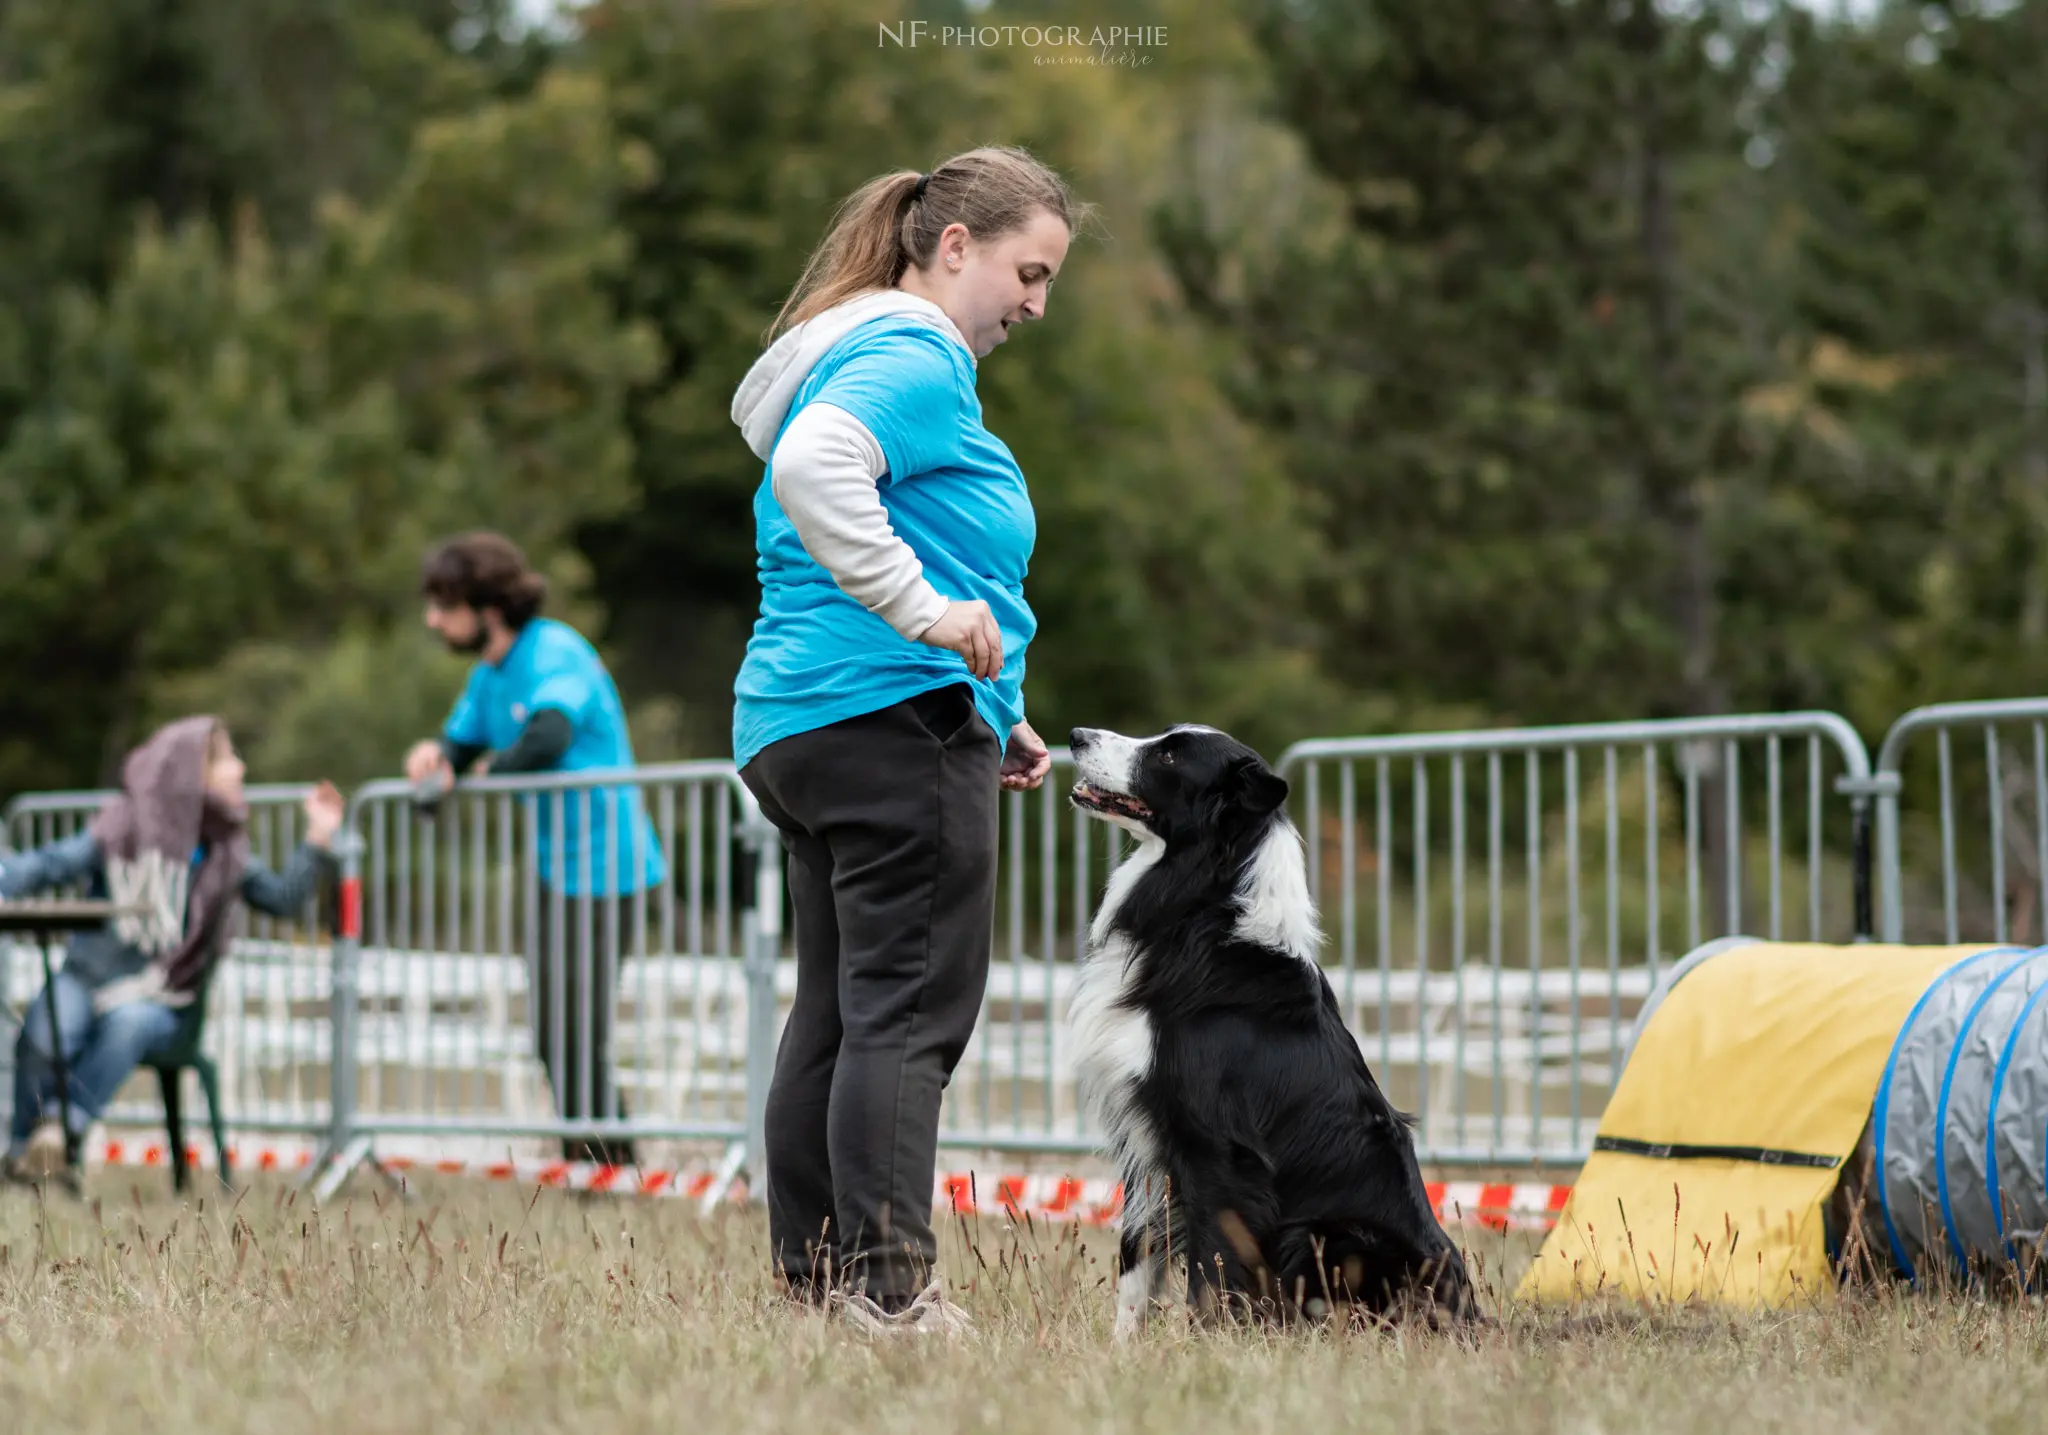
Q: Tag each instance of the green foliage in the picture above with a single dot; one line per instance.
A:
(235, 444)
(1425, 362)
(1171, 552)
(344, 710)
(1924, 144)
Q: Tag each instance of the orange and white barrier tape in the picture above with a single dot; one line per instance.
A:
(1501, 1206)
(1093, 1201)
(120, 1151)
(1042, 1198)
(528, 1171)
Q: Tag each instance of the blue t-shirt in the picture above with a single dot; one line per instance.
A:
(952, 492)
(551, 666)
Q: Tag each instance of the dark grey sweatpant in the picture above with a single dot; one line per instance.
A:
(577, 1054)
(889, 821)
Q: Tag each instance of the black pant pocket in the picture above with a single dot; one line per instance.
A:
(944, 711)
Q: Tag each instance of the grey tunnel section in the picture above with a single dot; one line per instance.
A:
(1961, 1117)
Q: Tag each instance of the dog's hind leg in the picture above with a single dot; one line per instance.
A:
(1146, 1247)
(1141, 1265)
(1221, 1280)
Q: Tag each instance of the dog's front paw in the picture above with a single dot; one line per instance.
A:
(1133, 1298)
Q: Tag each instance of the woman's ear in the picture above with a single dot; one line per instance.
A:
(951, 252)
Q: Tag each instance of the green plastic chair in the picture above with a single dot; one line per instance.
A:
(169, 1061)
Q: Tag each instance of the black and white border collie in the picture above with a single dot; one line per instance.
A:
(1254, 1145)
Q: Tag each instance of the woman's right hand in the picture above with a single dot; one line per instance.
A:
(969, 629)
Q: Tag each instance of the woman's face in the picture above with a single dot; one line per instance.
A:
(988, 286)
(224, 769)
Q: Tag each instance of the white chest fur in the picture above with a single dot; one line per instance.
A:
(1274, 906)
(1112, 1040)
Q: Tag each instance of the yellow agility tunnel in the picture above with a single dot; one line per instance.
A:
(1751, 1077)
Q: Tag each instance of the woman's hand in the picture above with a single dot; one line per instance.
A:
(325, 812)
(969, 629)
(1026, 759)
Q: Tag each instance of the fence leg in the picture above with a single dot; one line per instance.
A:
(731, 1171)
(1877, 871)
(1859, 819)
(763, 950)
(343, 1150)
(1890, 875)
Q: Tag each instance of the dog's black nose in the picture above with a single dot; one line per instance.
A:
(1079, 738)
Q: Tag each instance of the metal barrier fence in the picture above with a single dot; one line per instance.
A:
(267, 1024)
(647, 898)
(1496, 906)
(1964, 856)
(1451, 870)
(448, 917)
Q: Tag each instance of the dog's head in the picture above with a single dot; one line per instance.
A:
(1186, 779)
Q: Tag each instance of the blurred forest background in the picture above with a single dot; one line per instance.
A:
(1431, 362)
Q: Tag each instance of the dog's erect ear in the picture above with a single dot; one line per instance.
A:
(1257, 789)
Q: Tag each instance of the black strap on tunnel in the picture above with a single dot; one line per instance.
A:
(1669, 1151)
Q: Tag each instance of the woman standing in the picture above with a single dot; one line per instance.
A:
(880, 706)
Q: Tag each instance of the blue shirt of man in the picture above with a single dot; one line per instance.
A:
(607, 845)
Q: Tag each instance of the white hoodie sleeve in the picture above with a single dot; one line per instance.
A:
(824, 473)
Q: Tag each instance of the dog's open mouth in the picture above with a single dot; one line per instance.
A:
(1113, 804)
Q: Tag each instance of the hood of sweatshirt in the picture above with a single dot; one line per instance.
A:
(763, 398)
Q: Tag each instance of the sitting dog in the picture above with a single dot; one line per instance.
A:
(1254, 1144)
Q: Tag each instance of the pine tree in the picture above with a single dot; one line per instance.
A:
(1924, 150)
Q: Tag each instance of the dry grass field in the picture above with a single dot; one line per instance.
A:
(466, 1308)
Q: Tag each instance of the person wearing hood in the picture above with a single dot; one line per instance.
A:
(879, 710)
(172, 851)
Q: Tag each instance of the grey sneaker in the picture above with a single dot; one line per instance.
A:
(929, 1314)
